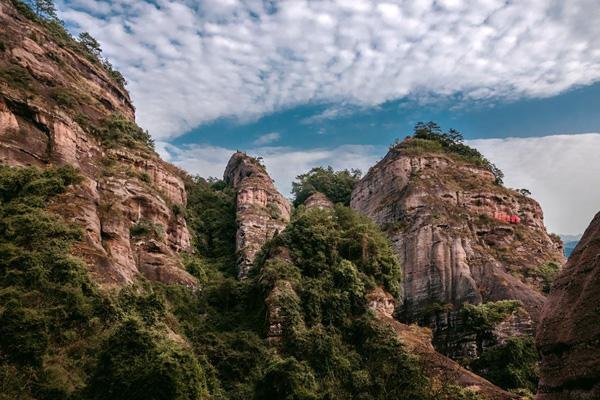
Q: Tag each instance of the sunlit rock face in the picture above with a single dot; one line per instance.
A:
(568, 337)
(261, 210)
(49, 119)
(441, 214)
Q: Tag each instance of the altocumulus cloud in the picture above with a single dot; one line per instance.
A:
(189, 62)
(561, 171)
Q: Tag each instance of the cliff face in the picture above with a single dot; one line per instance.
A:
(443, 216)
(418, 340)
(53, 98)
(261, 211)
(568, 337)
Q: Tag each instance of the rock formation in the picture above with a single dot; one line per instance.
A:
(318, 200)
(418, 341)
(442, 214)
(261, 210)
(53, 99)
(568, 337)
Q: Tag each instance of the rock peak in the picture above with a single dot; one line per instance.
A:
(460, 237)
(261, 211)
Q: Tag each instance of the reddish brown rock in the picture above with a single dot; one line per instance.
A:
(318, 200)
(569, 335)
(439, 213)
(47, 117)
(261, 210)
(441, 369)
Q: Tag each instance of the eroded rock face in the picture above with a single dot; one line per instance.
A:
(439, 368)
(569, 335)
(439, 213)
(261, 210)
(46, 119)
(318, 200)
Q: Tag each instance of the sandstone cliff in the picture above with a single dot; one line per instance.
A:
(261, 211)
(59, 105)
(441, 213)
(418, 340)
(569, 335)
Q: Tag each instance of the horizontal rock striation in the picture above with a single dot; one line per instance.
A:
(261, 211)
(568, 337)
(48, 116)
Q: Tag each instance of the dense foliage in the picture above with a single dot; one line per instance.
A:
(54, 320)
(336, 185)
(513, 365)
(430, 137)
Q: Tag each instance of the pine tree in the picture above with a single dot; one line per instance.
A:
(45, 9)
(90, 43)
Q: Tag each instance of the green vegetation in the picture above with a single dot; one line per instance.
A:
(44, 13)
(56, 327)
(118, 130)
(429, 137)
(16, 75)
(484, 317)
(546, 272)
(512, 365)
(336, 185)
(147, 228)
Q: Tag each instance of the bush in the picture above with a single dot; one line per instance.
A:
(16, 75)
(336, 185)
(119, 130)
(484, 317)
(512, 365)
(136, 364)
(429, 137)
(287, 380)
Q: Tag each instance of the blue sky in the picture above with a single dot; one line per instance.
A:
(304, 83)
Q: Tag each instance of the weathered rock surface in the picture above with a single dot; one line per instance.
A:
(318, 200)
(439, 368)
(261, 211)
(439, 214)
(45, 119)
(569, 335)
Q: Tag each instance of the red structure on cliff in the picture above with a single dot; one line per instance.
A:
(510, 218)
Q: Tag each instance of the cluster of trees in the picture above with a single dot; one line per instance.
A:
(452, 141)
(336, 185)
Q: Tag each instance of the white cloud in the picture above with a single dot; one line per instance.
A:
(192, 61)
(561, 171)
(267, 138)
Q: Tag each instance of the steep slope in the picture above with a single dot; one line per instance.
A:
(262, 211)
(60, 106)
(450, 225)
(569, 335)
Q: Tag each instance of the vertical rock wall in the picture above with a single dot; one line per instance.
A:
(262, 211)
(568, 337)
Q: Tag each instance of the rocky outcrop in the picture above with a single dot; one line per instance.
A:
(441, 214)
(441, 369)
(568, 337)
(318, 200)
(261, 211)
(52, 99)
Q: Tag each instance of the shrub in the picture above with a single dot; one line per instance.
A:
(119, 130)
(148, 228)
(289, 380)
(135, 363)
(484, 317)
(16, 75)
(512, 365)
(336, 185)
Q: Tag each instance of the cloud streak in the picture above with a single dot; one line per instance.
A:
(189, 62)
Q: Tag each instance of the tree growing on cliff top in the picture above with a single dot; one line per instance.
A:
(45, 9)
(336, 185)
(452, 141)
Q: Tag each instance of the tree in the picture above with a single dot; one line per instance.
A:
(90, 43)
(524, 192)
(45, 9)
(336, 185)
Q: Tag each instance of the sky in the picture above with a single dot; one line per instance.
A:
(334, 82)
